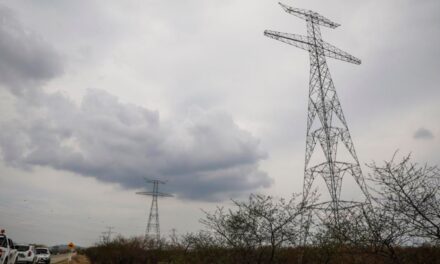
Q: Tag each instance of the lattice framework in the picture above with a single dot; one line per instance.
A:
(153, 225)
(324, 108)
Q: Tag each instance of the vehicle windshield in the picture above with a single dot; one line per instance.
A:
(22, 248)
(42, 251)
(3, 241)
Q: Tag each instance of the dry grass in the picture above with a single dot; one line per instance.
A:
(123, 253)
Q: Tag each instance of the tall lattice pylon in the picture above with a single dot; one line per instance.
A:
(326, 124)
(153, 226)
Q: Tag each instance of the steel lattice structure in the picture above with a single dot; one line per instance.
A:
(153, 226)
(324, 109)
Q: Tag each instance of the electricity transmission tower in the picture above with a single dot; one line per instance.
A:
(107, 235)
(326, 124)
(153, 227)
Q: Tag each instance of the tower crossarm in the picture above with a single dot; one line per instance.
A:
(160, 194)
(154, 181)
(298, 41)
(309, 15)
(336, 53)
(308, 43)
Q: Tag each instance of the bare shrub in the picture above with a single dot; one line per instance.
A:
(411, 194)
(258, 227)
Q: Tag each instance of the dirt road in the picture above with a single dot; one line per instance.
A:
(78, 259)
(58, 258)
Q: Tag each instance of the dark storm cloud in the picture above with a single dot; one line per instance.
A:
(205, 156)
(423, 133)
(26, 60)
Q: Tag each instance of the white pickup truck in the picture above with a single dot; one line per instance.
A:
(8, 253)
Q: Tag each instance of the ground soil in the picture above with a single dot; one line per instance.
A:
(78, 259)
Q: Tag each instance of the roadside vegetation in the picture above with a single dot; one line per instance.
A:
(402, 225)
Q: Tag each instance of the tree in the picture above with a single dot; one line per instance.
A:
(366, 229)
(381, 232)
(410, 193)
(260, 223)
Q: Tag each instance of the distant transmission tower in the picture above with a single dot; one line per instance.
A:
(107, 235)
(326, 124)
(153, 227)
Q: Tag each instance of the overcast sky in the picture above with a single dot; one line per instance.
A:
(96, 95)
